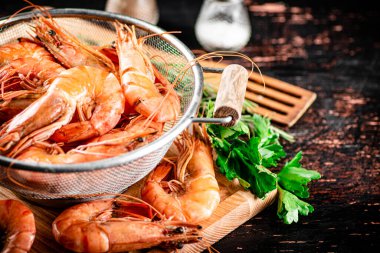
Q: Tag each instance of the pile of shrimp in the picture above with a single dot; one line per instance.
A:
(62, 101)
(176, 197)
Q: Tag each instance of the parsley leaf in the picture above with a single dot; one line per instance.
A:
(292, 183)
(241, 159)
(294, 178)
(289, 206)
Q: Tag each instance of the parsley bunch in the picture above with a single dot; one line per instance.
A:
(247, 150)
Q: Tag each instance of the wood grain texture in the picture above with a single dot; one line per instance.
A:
(230, 97)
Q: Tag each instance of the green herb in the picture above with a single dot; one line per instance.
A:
(248, 150)
(291, 185)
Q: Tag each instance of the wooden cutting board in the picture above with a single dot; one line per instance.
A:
(237, 206)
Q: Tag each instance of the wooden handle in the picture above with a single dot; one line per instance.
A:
(230, 98)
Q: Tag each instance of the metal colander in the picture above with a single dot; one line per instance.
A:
(52, 184)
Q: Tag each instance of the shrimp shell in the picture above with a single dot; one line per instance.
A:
(137, 76)
(72, 89)
(191, 193)
(115, 225)
(18, 222)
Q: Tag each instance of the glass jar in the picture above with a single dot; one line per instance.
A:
(223, 25)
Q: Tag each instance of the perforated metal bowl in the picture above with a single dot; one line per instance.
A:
(62, 184)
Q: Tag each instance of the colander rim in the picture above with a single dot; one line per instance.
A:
(120, 160)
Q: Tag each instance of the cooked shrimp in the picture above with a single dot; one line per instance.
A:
(137, 79)
(116, 225)
(17, 221)
(25, 65)
(193, 193)
(28, 73)
(110, 52)
(9, 109)
(12, 51)
(66, 48)
(79, 88)
(116, 142)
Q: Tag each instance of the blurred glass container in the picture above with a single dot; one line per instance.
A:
(146, 10)
(223, 25)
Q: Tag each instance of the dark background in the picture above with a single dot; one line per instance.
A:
(333, 49)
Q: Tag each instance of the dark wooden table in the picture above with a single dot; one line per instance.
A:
(332, 48)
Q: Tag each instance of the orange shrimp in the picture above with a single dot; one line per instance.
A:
(116, 142)
(28, 73)
(11, 108)
(138, 76)
(81, 88)
(117, 225)
(110, 52)
(193, 193)
(25, 66)
(17, 221)
(12, 51)
(66, 48)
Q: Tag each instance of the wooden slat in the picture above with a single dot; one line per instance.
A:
(278, 84)
(259, 99)
(268, 91)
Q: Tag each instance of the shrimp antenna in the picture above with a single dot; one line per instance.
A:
(220, 55)
(144, 38)
(138, 200)
(39, 7)
(31, 6)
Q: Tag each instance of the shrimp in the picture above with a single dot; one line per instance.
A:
(193, 194)
(117, 225)
(81, 88)
(66, 48)
(28, 73)
(10, 109)
(137, 79)
(26, 66)
(25, 48)
(110, 52)
(116, 142)
(17, 221)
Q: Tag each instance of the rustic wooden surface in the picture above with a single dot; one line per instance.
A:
(332, 48)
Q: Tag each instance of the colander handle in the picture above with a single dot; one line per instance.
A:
(230, 97)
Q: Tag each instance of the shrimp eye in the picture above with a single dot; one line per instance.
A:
(52, 32)
(179, 230)
(179, 245)
(140, 139)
